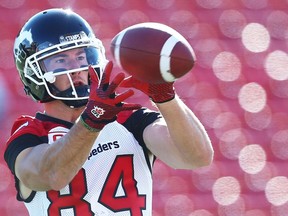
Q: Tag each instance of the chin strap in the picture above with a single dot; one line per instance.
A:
(82, 91)
(75, 103)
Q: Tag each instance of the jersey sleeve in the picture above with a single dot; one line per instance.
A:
(25, 133)
(137, 121)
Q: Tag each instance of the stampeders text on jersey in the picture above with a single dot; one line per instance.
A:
(103, 147)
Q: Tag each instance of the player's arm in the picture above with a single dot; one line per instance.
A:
(53, 166)
(179, 139)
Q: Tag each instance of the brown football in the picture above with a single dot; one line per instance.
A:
(153, 52)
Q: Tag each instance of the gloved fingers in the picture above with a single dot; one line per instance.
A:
(106, 75)
(93, 75)
(127, 82)
(131, 82)
(130, 106)
(94, 81)
(115, 83)
(123, 96)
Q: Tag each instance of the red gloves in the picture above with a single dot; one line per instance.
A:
(159, 93)
(104, 105)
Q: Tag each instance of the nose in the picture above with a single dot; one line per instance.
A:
(73, 64)
(75, 73)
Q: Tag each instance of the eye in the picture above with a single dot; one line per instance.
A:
(59, 60)
(80, 58)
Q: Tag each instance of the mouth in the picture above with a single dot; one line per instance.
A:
(78, 83)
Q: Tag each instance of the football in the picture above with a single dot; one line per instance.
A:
(152, 52)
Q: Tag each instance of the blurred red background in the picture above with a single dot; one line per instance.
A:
(238, 89)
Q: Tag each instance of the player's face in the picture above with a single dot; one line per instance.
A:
(68, 60)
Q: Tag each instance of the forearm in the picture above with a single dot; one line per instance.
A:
(67, 155)
(59, 161)
(187, 133)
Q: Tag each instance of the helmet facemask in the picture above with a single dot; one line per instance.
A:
(76, 95)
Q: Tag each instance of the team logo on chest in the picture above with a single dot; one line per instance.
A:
(56, 133)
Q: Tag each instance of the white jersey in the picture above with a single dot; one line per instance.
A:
(116, 179)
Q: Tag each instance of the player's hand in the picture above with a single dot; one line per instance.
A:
(159, 93)
(104, 104)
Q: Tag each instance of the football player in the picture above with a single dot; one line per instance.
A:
(89, 152)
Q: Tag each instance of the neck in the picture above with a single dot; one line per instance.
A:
(58, 109)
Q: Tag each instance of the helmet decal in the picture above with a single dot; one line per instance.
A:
(73, 37)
